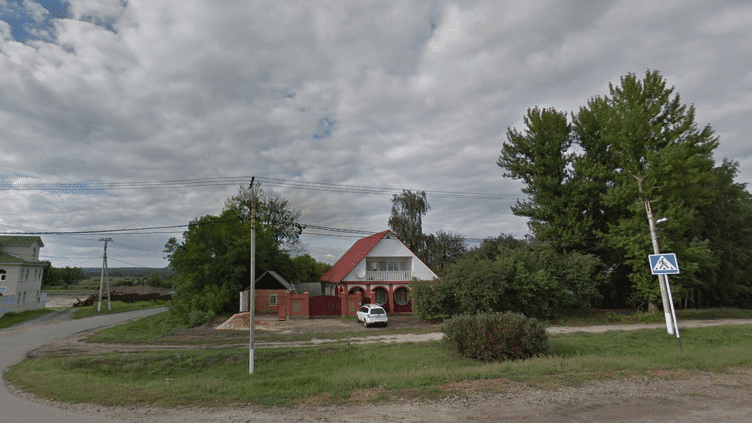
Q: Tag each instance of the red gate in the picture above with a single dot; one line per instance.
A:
(325, 305)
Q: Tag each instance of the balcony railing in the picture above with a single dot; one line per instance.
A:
(388, 276)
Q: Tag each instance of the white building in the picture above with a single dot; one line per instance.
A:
(21, 274)
(381, 265)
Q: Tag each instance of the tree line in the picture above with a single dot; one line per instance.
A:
(589, 176)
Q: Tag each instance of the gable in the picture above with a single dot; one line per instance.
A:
(271, 280)
(352, 257)
(383, 244)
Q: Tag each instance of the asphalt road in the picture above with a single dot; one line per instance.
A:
(17, 340)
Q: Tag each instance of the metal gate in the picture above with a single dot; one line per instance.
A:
(324, 305)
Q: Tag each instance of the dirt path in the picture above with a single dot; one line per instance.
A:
(703, 398)
(76, 344)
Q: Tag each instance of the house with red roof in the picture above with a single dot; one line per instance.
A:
(380, 267)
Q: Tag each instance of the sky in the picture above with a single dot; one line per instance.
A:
(120, 114)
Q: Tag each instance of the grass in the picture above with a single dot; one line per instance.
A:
(11, 319)
(595, 317)
(138, 331)
(160, 330)
(117, 307)
(344, 373)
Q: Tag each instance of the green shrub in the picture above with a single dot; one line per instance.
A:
(432, 299)
(198, 317)
(496, 336)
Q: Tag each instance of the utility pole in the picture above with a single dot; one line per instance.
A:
(105, 274)
(252, 288)
(662, 279)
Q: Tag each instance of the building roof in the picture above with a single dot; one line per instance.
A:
(312, 288)
(17, 240)
(6, 258)
(353, 256)
(271, 280)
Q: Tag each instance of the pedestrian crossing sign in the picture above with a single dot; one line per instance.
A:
(663, 264)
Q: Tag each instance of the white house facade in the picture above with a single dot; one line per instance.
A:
(21, 274)
(381, 267)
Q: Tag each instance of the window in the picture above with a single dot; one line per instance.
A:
(3, 274)
(381, 296)
(273, 299)
(401, 296)
(383, 265)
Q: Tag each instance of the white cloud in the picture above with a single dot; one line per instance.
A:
(406, 95)
(35, 10)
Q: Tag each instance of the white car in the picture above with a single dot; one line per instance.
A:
(372, 314)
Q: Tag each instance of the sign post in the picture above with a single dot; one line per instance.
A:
(663, 265)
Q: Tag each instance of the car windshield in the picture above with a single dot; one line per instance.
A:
(376, 311)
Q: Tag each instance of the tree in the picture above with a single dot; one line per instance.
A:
(274, 213)
(65, 277)
(442, 248)
(590, 181)
(539, 156)
(212, 263)
(305, 268)
(406, 221)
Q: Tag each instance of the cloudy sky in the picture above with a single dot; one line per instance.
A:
(102, 102)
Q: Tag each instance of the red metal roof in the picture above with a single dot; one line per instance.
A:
(353, 256)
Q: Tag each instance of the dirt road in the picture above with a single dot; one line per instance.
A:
(703, 398)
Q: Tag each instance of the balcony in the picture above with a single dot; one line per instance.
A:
(390, 276)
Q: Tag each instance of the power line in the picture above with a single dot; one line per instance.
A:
(241, 180)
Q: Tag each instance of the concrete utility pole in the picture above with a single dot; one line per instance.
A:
(252, 288)
(662, 279)
(105, 274)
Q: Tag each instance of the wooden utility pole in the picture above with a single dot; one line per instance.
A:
(105, 275)
(252, 288)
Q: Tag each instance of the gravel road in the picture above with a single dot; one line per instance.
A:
(18, 340)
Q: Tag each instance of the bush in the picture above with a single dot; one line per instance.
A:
(496, 336)
(432, 299)
(530, 278)
(198, 317)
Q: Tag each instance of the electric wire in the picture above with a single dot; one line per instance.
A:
(242, 180)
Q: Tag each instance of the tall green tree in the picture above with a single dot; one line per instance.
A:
(406, 220)
(212, 263)
(589, 182)
(273, 212)
(664, 161)
(539, 156)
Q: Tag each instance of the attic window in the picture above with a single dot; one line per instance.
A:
(3, 274)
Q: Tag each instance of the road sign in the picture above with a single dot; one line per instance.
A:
(663, 264)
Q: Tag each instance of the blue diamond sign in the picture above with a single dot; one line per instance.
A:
(663, 264)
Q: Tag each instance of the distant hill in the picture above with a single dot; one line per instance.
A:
(128, 272)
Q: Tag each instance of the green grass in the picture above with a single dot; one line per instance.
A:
(138, 331)
(343, 373)
(117, 307)
(11, 319)
(594, 317)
